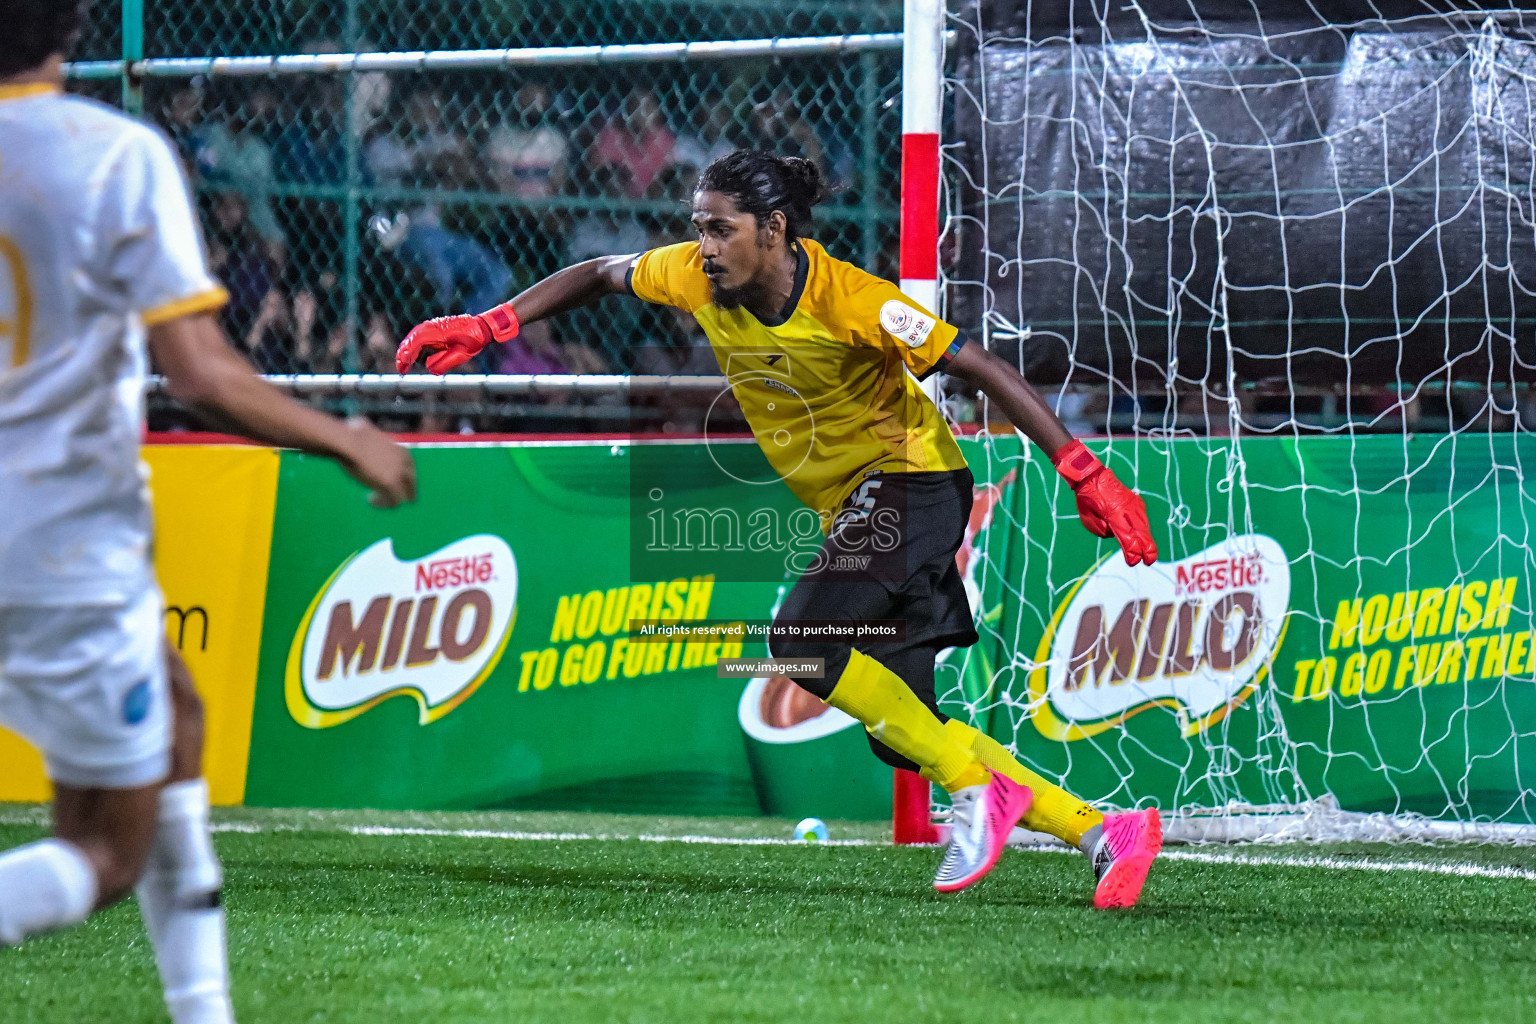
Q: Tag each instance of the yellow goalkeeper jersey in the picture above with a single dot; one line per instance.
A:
(825, 386)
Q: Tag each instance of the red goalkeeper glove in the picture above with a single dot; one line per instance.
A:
(453, 341)
(1106, 506)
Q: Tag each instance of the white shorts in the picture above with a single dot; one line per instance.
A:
(87, 686)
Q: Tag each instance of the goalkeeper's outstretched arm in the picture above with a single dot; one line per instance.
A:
(1106, 506)
(452, 341)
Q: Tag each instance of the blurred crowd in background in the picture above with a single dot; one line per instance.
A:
(465, 203)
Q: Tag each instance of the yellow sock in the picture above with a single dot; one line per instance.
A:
(892, 714)
(1054, 811)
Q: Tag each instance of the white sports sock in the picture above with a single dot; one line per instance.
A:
(44, 886)
(1090, 839)
(179, 900)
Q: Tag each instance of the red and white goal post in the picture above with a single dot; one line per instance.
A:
(922, 93)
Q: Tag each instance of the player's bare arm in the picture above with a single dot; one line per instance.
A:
(1006, 386)
(578, 285)
(1107, 507)
(202, 371)
(451, 341)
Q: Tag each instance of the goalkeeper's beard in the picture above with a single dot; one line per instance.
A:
(733, 298)
(729, 298)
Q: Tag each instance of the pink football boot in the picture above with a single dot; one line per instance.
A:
(983, 817)
(1123, 856)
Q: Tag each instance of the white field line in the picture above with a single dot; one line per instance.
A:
(477, 833)
(1460, 870)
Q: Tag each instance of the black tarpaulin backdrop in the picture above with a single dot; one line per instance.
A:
(1330, 193)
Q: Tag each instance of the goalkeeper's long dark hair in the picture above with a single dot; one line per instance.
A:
(36, 30)
(759, 183)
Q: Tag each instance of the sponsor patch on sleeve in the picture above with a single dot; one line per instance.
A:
(906, 323)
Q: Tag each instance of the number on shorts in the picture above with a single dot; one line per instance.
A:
(865, 497)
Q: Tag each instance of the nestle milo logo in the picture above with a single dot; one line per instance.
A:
(432, 629)
(1196, 636)
(1225, 573)
(440, 573)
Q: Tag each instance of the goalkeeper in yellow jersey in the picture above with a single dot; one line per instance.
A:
(817, 353)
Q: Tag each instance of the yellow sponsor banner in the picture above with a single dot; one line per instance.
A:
(213, 539)
(21, 770)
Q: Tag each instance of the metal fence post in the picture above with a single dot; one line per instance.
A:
(350, 215)
(133, 51)
(869, 164)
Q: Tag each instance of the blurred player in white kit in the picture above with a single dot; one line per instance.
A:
(99, 251)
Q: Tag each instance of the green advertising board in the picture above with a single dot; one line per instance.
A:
(471, 651)
(1345, 616)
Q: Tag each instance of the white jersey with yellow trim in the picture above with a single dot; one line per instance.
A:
(97, 240)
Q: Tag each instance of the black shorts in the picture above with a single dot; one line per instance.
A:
(891, 555)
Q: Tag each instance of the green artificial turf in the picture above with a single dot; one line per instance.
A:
(329, 925)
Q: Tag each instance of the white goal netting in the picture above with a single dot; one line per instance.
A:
(1281, 257)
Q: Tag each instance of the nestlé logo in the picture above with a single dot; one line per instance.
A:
(1196, 636)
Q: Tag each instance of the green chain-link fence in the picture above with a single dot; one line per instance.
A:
(340, 209)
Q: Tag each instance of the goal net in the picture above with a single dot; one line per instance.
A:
(1279, 257)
